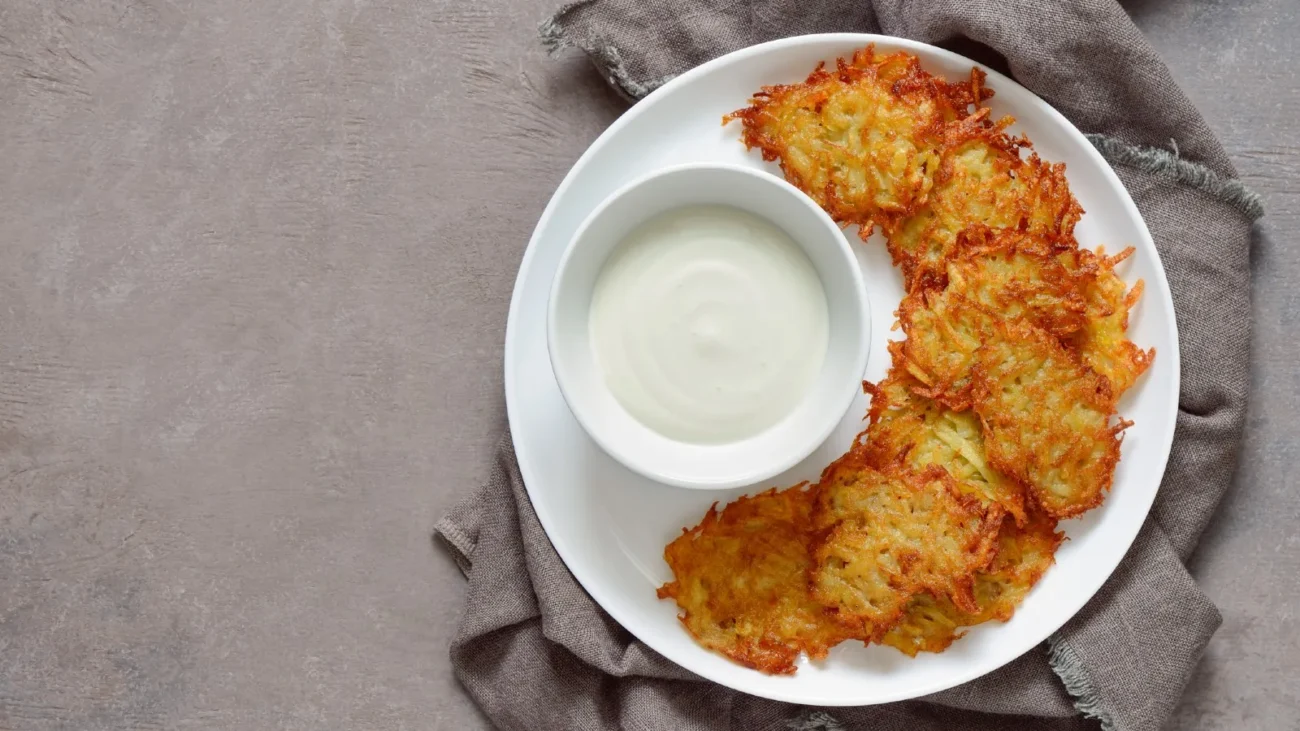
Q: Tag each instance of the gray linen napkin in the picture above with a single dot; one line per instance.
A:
(536, 652)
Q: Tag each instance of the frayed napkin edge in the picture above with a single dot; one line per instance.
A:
(457, 543)
(1078, 683)
(604, 56)
(1168, 164)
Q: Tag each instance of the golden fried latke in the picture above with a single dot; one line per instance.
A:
(915, 431)
(741, 581)
(1024, 553)
(989, 278)
(1102, 341)
(943, 334)
(893, 534)
(863, 139)
(1047, 418)
(982, 182)
(1019, 276)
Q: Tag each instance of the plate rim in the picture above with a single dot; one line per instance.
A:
(994, 79)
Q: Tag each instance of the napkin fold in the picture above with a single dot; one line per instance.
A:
(535, 652)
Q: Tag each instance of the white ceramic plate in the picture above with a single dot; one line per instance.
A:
(610, 525)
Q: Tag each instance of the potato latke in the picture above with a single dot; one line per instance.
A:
(991, 278)
(931, 623)
(1047, 418)
(741, 579)
(893, 534)
(863, 139)
(1101, 341)
(998, 415)
(982, 182)
(914, 431)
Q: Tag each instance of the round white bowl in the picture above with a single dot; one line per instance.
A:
(709, 466)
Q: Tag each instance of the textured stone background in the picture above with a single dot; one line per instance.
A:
(254, 266)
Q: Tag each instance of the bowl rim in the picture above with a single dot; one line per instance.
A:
(826, 420)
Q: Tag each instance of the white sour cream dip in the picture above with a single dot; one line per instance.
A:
(709, 323)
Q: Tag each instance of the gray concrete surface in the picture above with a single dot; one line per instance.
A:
(1238, 60)
(245, 363)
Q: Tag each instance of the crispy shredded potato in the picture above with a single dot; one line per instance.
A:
(1047, 418)
(1102, 341)
(982, 182)
(741, 581)
(1019, 276)
(989, 278)
(862, 139)
(943, 335)
(917, 432)
(893, 534)
(1024, 553)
